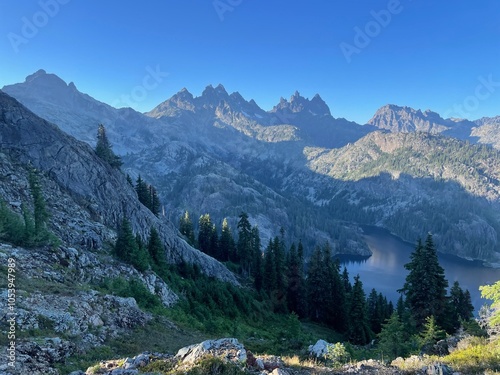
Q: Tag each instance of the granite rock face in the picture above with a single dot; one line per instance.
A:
(91, 184)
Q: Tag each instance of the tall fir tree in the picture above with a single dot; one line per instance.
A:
(103, 148)
(156, 249)
(205, 228)
(244, 245)
(257, 269)
(127, 247)
(460, 306)
(359, 327)
(425, 285)
(226, 243)
(186, 228)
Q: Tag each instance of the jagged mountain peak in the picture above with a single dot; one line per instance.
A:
(300, 104)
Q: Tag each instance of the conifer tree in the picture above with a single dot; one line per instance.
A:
(425, 286)
(156, 249)
(186, 228)
(226, 242)
(155, 201)
(244, 245)
(460, 306)
(257, 259)
(359, 329)
(295, 288)
(393, 338)
(128, 247)
(103, 148)
(269, 279)
(205, 228)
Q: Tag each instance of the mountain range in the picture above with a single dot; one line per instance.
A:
(296, 166)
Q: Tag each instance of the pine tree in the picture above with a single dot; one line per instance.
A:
(186, 228)
(359, 329)
(431, 333)
(393, 338)
(155, 201)
(281, 282)
(141, 187)
(269, 279)
(460, 306)
(103, 148)
(205, 228)
(127, 247)
(425, 286)
(244, 245)
(295, 298)
(257, 259)
(226, 242)
(156, 249)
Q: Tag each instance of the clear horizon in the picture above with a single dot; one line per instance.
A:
(356, 56)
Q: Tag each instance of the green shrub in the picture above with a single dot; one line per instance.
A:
(475, 356)
(214, 366)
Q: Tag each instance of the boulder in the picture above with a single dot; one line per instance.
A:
(228, 349)
(320, 349)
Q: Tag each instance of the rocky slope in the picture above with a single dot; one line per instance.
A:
(100, 192)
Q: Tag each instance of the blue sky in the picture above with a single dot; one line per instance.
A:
(357, 54)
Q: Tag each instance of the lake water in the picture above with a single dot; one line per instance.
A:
(385, 271)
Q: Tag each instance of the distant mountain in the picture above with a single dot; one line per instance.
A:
(299, 168)
(205, 155)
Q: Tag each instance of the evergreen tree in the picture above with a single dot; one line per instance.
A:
(393, 338)
(375, 314)
(316, 291)
(326, 296)
(103, 148)
(155, 204)
(431, 333)
(425, 286)
(269, 279)
(156, 249)
(359, 328)
(281, 282)
(205, 228)
(129, 180)
(141, 187)
(186, 228)
(257, 259)
(295, 289)
(128, 248)
(244, 245)
(346, 281)
(226, 243)
(460, 306)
